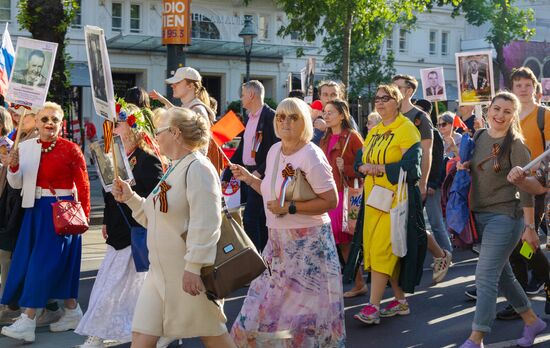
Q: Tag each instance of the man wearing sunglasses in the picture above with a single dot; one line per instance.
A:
(256, 140)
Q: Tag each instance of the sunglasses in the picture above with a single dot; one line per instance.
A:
(53, 119)
(161, 129)
(383, 99)
(282, 117)
(442, 124)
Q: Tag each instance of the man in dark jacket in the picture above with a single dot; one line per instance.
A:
(256, 140)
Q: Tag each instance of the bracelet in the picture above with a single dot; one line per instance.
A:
(531, 226)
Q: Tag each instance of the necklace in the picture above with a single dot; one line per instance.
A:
(49, 148)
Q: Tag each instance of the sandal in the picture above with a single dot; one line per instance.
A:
(363, 291)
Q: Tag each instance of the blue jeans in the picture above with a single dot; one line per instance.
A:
(437, 224)
(500, 235)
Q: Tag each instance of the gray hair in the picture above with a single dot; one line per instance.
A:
(448, 117)
(257, 87)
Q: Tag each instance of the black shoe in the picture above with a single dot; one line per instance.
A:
(547, 304)
(534, 287)
(471, 294)
(508, 313)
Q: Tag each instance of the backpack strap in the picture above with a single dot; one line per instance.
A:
(540, 123)
(478, 133)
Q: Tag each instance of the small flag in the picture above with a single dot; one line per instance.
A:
(458, 123)
(228, 127)
(6, 61)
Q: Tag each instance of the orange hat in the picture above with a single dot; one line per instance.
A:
(317, 105)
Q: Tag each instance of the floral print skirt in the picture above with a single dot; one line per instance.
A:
(300, 303)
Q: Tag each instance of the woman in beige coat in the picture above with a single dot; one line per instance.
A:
(183, 219)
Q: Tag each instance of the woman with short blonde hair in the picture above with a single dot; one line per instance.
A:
(183, 219)
(298, 304)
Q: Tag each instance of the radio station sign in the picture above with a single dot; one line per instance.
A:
(176, 22)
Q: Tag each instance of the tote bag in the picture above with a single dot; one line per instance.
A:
(351, 206)
(398, 217)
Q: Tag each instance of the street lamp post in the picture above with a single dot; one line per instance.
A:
(248, 33)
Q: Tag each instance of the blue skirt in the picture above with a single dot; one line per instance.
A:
(44, 265)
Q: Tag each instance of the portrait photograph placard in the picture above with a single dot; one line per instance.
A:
(545, 82)
(32, 72)
(474, 73)
(433, 84)
(104, 163)
(100, 72)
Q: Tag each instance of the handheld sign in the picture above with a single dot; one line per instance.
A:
(433, 84)
(100, 73)
(32, 72)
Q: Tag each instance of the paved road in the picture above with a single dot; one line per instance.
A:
(441, 316)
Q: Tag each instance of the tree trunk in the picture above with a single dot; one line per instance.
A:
(49, 24)
(347, 49)
(499, 48)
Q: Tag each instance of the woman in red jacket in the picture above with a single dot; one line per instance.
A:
(340, 144)
(45, 265)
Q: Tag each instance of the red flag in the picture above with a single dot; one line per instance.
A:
(228, 127)
(458, 123)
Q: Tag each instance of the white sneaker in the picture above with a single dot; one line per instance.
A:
(48, 317)
(22, 329)
(441, 266)
(69, 320)
(164, 342)
(93, 342)
(548, 242)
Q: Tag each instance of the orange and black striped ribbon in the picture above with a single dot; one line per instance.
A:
(108, 127)
(164, 187)
(494, 156)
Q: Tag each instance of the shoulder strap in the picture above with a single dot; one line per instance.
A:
(478, 134)
(274, 174)
(540, 122)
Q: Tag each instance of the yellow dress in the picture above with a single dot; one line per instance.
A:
(384, 144)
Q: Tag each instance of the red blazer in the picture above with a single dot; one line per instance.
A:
(354, 145)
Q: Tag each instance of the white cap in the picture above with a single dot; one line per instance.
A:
(184, 73)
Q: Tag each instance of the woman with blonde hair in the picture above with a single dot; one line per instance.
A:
(118, 282)
(299, 303)
(505, 215)
(45, 264)
(183, 219)
(391, 146)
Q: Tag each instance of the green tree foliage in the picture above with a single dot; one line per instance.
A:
(48, 20)
(508, 23)
(362, 24)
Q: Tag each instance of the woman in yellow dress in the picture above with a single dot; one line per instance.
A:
(391, 145)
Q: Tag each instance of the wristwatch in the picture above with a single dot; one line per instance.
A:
(292, 208)
(531, 226)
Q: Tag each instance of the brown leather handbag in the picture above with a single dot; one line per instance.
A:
(68, 217)
(237, 260)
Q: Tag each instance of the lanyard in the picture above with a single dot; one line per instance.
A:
(165, 176)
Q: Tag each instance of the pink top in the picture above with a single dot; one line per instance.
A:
(312, 161)
(332, 141)
(249, 137)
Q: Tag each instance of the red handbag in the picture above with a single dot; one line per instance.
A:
(68, 217)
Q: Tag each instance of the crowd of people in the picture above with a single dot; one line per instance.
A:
(178, 173)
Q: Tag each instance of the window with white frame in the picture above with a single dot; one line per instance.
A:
(135, 18)
(263, 27)
(445, 43)
(402, 40)
(389, 42)
(77, 19)
(433, 42)
(116, 16)
(5, 10)
(203, 28)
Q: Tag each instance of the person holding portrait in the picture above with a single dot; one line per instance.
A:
(183, 219)
(45, 264)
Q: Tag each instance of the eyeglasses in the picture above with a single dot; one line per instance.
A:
(442, 124)
(282, 117)
(161, 129)
(53, 119)
(383, 99)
